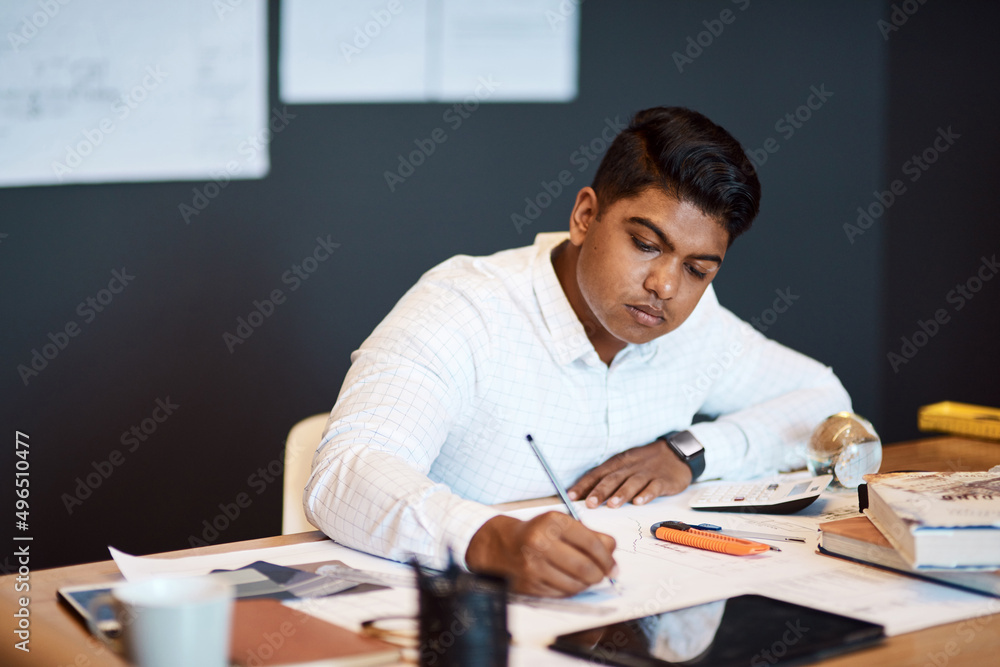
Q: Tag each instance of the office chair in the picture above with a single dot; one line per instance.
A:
(300, 446)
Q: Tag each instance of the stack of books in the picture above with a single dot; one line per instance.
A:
(943, 526)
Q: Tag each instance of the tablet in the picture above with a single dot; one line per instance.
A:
(747, 630)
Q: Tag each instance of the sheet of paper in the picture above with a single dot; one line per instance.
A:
(655, 576)
(796, 574)
(140, 568)
(428, 50)
(123, 91)
(648, 585)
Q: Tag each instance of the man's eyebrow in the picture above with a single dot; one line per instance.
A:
(648, 224)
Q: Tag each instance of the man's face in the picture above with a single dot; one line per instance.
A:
(644, 262)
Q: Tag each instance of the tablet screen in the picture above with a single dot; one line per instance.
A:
(748, 630)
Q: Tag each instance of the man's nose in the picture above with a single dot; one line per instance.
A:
(664, 279)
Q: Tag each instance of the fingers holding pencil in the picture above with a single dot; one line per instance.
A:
(550, 555)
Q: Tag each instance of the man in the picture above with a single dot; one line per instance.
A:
(603, 346)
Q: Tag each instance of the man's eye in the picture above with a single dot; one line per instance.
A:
(696, 273)
(645, 247)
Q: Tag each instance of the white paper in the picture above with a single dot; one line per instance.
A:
(140, 568)
(673, 574)
(124, 91)
(655, 576)
(428, 50)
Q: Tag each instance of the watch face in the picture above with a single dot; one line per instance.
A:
(686, 444)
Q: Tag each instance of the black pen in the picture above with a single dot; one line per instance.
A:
(562, 494)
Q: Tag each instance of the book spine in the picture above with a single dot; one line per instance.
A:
(894, 540)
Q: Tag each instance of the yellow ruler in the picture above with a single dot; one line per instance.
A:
(960, 418)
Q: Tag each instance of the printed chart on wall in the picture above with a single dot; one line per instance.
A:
(428, 51)
(121, 91)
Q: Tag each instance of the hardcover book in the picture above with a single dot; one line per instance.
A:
(859, 540)
(939, 519)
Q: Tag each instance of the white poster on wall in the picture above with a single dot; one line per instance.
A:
(428, 50)
(118, 91)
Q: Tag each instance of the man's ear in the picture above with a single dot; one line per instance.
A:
(585, 213)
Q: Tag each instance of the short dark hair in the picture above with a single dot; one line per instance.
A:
(689, 157)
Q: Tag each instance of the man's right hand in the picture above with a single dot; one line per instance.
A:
(551, 555)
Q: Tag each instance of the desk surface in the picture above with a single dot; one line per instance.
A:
(58, 639)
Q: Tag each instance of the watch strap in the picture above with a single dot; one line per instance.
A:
(688, 449)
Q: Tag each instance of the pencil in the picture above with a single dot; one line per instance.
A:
(561, 492)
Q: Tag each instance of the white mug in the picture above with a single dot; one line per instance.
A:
(171, 622)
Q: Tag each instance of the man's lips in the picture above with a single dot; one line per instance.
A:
(645, 315)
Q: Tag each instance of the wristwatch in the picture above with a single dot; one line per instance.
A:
(688, 449)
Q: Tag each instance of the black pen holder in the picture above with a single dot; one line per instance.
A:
(463, 619)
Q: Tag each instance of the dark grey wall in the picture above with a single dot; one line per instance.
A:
(162, 336)
(940, 273)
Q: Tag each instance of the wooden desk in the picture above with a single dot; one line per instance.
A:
(58, 639)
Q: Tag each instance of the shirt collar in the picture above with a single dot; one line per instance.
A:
(568, 338)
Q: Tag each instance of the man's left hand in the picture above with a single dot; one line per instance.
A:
(639, 475)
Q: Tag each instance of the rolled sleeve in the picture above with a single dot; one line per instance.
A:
(765, 406)
(369, 488)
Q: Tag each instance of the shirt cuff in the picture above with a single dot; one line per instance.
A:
(726, 448)
(463, 519)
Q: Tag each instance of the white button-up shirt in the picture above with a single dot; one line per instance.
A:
(430, 424)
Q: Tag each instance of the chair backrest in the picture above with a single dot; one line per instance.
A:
(300, 446)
